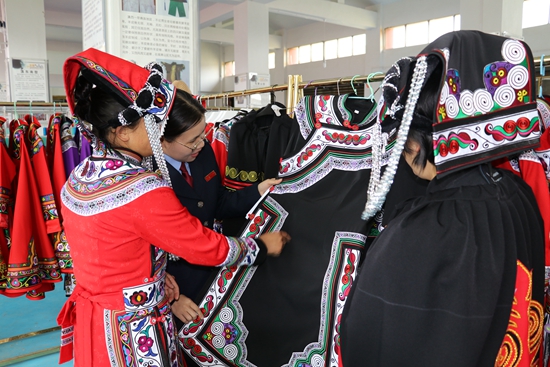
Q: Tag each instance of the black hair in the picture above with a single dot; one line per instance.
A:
(96, 106)
(186, 113)
(424, 116)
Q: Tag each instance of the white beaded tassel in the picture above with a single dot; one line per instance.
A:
(154, 134)
(380, 189)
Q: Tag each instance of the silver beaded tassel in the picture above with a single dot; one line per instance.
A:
(155, 131)
(380, 190)
(154, 134)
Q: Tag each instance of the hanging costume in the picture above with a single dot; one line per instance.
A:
(71, 156)
(120, 218)
(287, 312)
(456, 278)
(49, 265)
(7, 176)
(248, 154)
(32, 265)
(58, 176)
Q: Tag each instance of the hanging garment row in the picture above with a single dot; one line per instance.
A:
(34, 253)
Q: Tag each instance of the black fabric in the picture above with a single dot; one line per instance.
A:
(437, 285)
(247, 154)
(406, 185)
(283, 301)
(279, 135)
(281, 304)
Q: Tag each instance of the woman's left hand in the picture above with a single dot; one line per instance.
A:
(171, 288)
(266, 184)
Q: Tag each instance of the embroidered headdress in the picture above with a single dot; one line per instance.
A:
(144, 90)
(486, 106)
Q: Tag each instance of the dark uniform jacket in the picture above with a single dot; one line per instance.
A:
(206, 200)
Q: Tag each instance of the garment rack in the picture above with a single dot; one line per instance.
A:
(334, 81)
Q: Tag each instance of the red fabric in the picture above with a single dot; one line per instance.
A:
(532, 172)
(130, 78)
(42, 176)
(32, 259)
(220, 147)
(521, 345)
(7, 175)
(57, 175)
(112, 250)
(186, 176)
(220, 151)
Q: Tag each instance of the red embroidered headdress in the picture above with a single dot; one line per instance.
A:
(144, 90)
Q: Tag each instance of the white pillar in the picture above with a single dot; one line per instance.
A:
(502, 17)
(251, 38)
(251, 32)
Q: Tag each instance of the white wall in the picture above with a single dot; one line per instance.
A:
(537, 39)
(58, 52)
(211, 64)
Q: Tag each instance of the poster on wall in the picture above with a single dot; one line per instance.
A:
(93, 30)
(29, 80)
(161, 31)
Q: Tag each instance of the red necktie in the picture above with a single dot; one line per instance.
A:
(186, 174)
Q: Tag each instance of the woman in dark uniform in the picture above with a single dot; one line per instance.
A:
(196, 181)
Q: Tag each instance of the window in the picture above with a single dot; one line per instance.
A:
(416, 34)
(360, 44)
(395, 37)
(331, 49)
(535, 13)
(420, 33)
(229, 68)
(345, 47)
(305, 54)
(342, 47)
(292, 56)
(271, 60)
(317, 51)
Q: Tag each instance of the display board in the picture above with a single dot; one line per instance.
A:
(29, 80)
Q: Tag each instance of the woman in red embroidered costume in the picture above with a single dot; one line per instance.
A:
(121, 218)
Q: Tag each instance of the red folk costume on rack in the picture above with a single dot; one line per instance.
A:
(58, 179)
(32, 265)
(7, 176)
(49, 266)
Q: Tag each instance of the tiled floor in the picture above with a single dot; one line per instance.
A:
(20, 316)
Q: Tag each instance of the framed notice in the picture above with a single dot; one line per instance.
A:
(29, 80)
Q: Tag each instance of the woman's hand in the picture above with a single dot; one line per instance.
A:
(186, 310)
(171, 288)
(266, 184)
(275, 241)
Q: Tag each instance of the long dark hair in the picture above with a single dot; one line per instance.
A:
(186, 113)
(96, 106)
